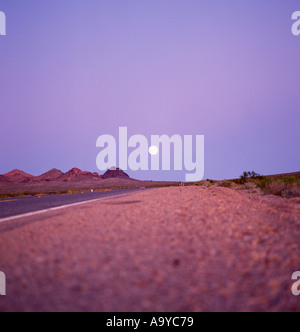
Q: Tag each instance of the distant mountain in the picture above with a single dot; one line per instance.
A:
(3, 178)
(115, 173)
(52, 175)
(18, 176)
(77, 174)
(57, 176)
(75, 180)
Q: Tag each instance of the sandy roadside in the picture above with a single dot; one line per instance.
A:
(171, 249)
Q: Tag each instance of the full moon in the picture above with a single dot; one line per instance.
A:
(153, 150)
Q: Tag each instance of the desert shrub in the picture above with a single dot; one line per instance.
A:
(264, 182)
(238, 181)
(249, 176)
(225, 184)
(69, 192)
(291, 191)
(209, 183)
(275, 188)
(250, 185)
(285, 187)
(291, 180)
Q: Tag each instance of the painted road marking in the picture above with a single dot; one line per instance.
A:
(11, 200)
(59, 208)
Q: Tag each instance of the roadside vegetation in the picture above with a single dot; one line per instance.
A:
(284, 186)
(226, 184)
(280, 185)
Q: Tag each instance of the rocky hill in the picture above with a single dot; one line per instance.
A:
(115, 173)
(17, 176)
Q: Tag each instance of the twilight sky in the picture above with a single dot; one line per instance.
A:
(74, 70)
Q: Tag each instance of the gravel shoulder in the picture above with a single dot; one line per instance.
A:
(170, 249)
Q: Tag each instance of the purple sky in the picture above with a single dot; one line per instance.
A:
(74, 70)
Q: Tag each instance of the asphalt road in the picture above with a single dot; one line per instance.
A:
(11, 207)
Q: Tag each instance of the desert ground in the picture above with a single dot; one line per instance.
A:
(180, 249)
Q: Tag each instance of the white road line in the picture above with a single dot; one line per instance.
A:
(59, 208)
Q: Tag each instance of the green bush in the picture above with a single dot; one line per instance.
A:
(247, 176)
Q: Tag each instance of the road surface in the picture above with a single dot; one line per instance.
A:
(10, 207)
(170, 249)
